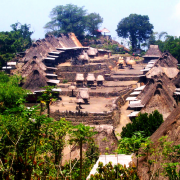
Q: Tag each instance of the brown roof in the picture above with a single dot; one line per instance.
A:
(153, 51)
(158, 94)
(167, 60)
(171, 72)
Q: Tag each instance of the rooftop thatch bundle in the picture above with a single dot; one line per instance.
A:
(171, 72)
(79, 99)
(90, 77)
(100, 78)
(158, 94)
(79, 77)
(131, 62)
(153, 51)
(167, 60)
(83, 93)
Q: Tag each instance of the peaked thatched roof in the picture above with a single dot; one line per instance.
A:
(90, 77)
(167, 60)
(153, 51)
(176, 80)
(35, 80)
(158, 94)
(92, 51)
(171, 72)
(79, 77)
(100, 78)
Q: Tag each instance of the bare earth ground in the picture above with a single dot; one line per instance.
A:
(124, 119)
(96, 104)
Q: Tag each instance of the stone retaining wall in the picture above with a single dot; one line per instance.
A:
(111, 117)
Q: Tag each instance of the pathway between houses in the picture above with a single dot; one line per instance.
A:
(124, 119)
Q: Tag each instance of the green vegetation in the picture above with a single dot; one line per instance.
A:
(17, 40)
(71, 18)
(135, 27)
(144, 122)
(31, 145)
(117, 172)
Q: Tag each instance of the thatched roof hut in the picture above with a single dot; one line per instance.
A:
(176, 80)
(92, 51)
(100, 78)
(83, 93)
(90, 77)
(79, 77)
(152, 53)
(158, 94)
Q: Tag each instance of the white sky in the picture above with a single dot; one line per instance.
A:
(163, 14)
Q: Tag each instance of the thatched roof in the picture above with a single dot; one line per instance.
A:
(100, 78)
(167, 60)
(171, 72)
(83, 56)
(92, 51)
(79, 77)
(153, 51)
(176, 80)
(35, 80)
(169, 128)
(158, 94)
(90, 77)
(83, 93)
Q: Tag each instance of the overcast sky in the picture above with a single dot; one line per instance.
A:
(163, 14)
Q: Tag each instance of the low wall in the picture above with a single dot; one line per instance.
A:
(111, 117)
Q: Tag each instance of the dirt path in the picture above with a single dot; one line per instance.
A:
(124, 119)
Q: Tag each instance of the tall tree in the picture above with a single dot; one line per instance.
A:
(93, 22)
(135, 27)
(65, 19)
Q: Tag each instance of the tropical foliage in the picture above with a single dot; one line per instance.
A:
(31, 145)
(17, 40)
(144, 122)
(135, 27)
(71, 18)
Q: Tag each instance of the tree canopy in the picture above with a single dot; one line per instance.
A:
(135, 27)
(17, 40)
(71, 18)
(93, 21)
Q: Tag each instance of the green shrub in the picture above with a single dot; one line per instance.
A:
(65, 81)
(144, 122)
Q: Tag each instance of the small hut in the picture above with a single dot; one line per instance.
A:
(103, 52)
(72, 88)
(92, 52)
(84, 94)
(100, 80)
(152, 53)
(131, 62)
(90, 79)
(79, 80)
(83, 57)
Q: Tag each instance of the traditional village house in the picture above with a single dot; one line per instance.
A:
(90, 79)
(41, 59)
(100, 80)
(157, 94)
(152, 53)
(79, 80)
(92, 52)
(84, 94)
